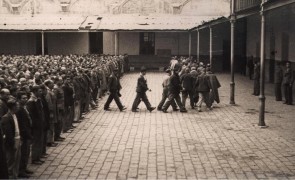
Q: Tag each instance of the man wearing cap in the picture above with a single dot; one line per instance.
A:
(114, 89)
(141, 92)
(165, 85)
(174, 90)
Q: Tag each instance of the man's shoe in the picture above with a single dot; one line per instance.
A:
(60, 139)
(159, 109)
(23, 175)
(151, 109)
(164, 111)
(29, 171)
(176, 109)
(123, 108)
(134, 110)
(52, 144)
(183, 110)
(107, 109)
(37, 162)
(199, 110)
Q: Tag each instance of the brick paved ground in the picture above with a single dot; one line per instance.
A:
(224, 143)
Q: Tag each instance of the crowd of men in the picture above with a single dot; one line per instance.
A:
(189, 78)
(40, 99)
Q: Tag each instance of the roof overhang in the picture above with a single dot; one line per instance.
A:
(41, 23)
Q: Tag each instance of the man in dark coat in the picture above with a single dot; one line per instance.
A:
(186, 80)
(165, 85)
(114, 89)
(69, 103)
(256, 78)
(3, 161)
(174, 90)
(288, 81)
(203, 85)
(35, 108)
(25, 126)
(213, 95)
(141, 89)
(250, 65)
(12, 140)
(278, 81)
(4, 95)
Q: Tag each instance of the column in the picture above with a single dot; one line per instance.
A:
(198, 47)
(42, 37)
(190, 44)
(210, 28)
(232, 60)
(262, 69)
(116, 43)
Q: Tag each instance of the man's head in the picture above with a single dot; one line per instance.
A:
(143, 70)
(12, 105)
(4, 94)
(22, 97)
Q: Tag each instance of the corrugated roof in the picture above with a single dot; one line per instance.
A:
(41, 22)
(120, 22)
(140, 22)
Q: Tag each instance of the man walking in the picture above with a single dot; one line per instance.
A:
(165, 85)
(114, 89)
(203, 85)
(174, 91)
(141, 89)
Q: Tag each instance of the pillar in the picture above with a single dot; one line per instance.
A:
(190, 44)
(211, 47)
(42, 41)
(262, 69)
(198, 47)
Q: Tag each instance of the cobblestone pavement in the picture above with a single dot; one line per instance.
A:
(224, 143)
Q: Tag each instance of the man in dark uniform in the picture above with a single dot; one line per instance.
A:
(250, 64)
(174, 90)
(187, 82)
(141, 92)
(114, 89)
(288, 81)
(165, 85)
(278, 81)
(35, 108)
(256, 78)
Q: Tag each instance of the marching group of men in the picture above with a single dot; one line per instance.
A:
(41, 97)
(185, 76)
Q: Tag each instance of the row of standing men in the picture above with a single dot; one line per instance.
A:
(40, 99)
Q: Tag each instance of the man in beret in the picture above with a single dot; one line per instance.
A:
(114, 87)
(141, 89)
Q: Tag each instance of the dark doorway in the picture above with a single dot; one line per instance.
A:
(285, 46)
(147, 43)
(226, 55)
(95, 42)
(272, 47)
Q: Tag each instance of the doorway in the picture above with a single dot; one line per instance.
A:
(147, 43)
(95, 42)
